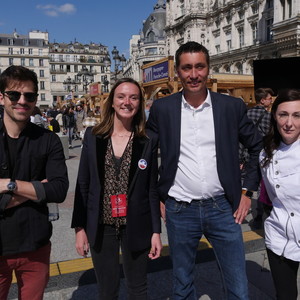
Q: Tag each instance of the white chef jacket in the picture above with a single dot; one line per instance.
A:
(282, 181)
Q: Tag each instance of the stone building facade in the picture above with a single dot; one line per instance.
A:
(150, 44)
(235, 32)
(68, 61)
(31, 51)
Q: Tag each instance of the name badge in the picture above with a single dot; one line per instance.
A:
(118, 205)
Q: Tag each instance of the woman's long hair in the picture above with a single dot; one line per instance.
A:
(106, 125)
(273, 138)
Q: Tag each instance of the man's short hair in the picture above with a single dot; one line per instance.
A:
(262, 93)
(190, 47)
(17, 73)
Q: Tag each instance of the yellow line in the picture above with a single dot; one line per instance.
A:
(83, 264)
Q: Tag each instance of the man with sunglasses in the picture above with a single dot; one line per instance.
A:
(32, 173)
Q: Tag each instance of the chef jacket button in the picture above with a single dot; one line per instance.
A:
(276, 173)
(277, 186)
(275, 162)
(4, 166)
(292, 214)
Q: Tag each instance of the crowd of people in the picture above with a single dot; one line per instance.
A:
(203, 185)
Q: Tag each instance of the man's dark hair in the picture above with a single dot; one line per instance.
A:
(190, 47)
(262, 93)
(17, 73)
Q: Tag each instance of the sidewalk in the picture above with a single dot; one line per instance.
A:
(73, 277)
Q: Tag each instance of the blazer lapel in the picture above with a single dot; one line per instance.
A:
(175, 110)
(139, 147)
(101, 146)
(217, 118)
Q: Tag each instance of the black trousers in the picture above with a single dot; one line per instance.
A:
(284, 273)
(105, 256)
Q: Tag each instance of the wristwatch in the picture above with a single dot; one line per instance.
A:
(11, 186)
(247, 193)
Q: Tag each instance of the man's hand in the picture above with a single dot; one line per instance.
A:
(3, 185)
(15, 201)
(243, 209)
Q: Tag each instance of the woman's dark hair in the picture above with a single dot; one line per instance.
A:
(273, 138)
(17, 73)
(105, 127)
(67, 110)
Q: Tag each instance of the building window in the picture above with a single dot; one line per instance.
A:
(22, 51)
(61, 67)
(67, 58)
(10, 42)
(30, 51)
(42, 85)
(40, 43)
(269, 24)
(75, 68)
(217, 49)
(43, 97)
(241, 36)
(42, 73)
(61, 57)
(40, 52)
(10, 50)
(151, 51)
(269, 4)
(23, 61)
(10, 61)
(68, 68)
(254, 8)
(26, 42)
(290, 7)
(228, 42)
(41, 62)
(52, 67)
(31, 62)
(254, 33)
(53, 78)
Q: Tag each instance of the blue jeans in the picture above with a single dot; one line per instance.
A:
(186, 223)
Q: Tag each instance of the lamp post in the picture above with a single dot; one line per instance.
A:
(119, 61)
(87, 78)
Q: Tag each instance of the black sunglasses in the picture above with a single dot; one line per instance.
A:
(15, 96)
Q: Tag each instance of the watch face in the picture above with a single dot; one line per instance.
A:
(11, 186)
(249, 194)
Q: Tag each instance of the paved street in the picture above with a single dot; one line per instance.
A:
(73, 277)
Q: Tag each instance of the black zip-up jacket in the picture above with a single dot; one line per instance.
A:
(39, 156)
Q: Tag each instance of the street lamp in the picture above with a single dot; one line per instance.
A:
(119, 61)
(87, 78)
(105, 83)
(70, 84)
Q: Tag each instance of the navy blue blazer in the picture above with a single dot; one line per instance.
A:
(143, 212)
(231, 127)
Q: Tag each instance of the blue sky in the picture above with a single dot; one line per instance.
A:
(110, 22)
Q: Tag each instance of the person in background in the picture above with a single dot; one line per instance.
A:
(36, 118)
(33, 174)
(260, 117)
(80, 115)
(116, 204)
(69, 123)
(147, 109)
(199, 180)
(280, 167)
(59, 118)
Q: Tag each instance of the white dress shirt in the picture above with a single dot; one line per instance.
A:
(282, 181)
(196, 176)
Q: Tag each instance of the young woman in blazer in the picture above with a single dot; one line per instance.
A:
(116, 203)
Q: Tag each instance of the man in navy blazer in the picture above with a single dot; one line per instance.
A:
(200, 182)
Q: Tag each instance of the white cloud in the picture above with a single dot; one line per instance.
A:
(54, 10)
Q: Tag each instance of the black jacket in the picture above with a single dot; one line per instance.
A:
(39, 156)
(143, 214)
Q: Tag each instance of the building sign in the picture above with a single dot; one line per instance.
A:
(156, 72)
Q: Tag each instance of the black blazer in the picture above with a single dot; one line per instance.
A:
(231, 127)
(143, 213)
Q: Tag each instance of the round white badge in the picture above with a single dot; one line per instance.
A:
(142, 164)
